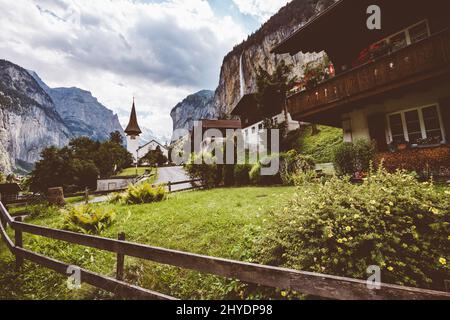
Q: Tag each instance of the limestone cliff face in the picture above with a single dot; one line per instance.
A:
(34, 116)
(28, 119)
(240, 66)
(195, 107)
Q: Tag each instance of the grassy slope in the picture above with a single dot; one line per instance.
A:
(213, 222)
(320, 146)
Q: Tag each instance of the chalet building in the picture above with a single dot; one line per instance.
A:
(133, 132)
(390, 85)
(252, 121)
(202, 126)
(9, 192)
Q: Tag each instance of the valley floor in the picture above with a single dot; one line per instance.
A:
(214, 222)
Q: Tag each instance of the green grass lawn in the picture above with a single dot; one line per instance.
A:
(132, 171)
(215, 222)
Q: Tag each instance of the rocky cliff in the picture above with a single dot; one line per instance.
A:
(82, 112)
(29, 121)
(34, 116)
(240, 66)
(197, 106)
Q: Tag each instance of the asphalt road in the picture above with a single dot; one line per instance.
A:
(165, 175)
(173, 174)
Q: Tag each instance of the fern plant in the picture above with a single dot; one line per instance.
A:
(88, 219)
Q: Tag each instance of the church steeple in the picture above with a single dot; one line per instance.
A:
(133, 126)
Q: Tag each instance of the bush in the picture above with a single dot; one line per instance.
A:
(209, 174)
(258, 179)
(302, 178)
(365, 151)
(117, 197)
(144, 193)
(292, 163)
(242, 174)
(350, 158)
(88, 219)
(339, 228)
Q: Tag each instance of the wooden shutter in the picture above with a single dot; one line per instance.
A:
(377, 130)
(445, 113)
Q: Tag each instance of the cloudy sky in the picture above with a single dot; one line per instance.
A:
(156, 50)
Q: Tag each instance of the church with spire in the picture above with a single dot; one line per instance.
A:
(133, 132)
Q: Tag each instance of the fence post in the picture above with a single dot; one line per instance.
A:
(170, 186)
(120, 259)
(18, 243)
(86, 196)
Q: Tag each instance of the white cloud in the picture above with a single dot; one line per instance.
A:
(117, 49)
(261, 9)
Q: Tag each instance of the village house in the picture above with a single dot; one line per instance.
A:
(390, 85)
(9, 192)
(252, 121)
(213, 126)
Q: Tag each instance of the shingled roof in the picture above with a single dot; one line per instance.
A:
(133, 126)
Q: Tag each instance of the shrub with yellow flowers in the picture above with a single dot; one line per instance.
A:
(340, 228)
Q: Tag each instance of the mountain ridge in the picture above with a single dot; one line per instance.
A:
(82, 112)
(34, 116)
(196, 106)
(29, 121)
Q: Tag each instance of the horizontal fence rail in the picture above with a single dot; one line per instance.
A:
(320, 285)
(194, 184)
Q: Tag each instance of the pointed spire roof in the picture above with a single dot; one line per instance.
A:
(133, 126)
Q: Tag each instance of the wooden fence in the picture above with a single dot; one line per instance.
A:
(318, 285)
(194, 184)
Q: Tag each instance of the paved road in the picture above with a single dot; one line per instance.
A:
(173, 174)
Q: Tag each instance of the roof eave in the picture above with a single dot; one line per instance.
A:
(283, 46)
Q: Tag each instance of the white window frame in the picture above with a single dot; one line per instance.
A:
(422, 122)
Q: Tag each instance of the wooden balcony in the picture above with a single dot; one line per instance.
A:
(421, 61)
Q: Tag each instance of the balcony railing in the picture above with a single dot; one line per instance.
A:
(414, 63)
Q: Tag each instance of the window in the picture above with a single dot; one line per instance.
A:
(399, 41)
(413, 126)
(419, 32)
(432, 124)
(408, 36)
(260, 127)
(397, 132)
(253, 130)
(421, 126)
